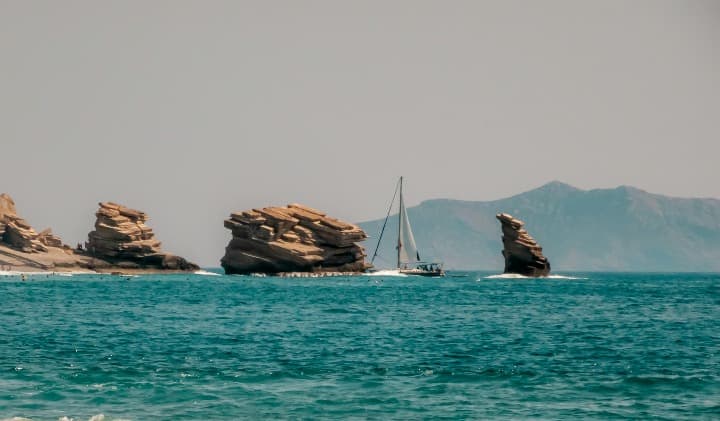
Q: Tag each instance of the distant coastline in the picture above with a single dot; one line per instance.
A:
(622, 229)
(619, 230)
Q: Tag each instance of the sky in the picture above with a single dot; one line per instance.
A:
(190, 110)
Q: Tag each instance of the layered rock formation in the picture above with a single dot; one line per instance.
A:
(7, 206)
(22, 248)
(294, 238)
(522, 253)
(121, 242)
(122, 238)
(18, 234)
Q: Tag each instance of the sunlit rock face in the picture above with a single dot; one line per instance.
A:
(122, 238)
(522, 253)
(294, 238)
(17, 233)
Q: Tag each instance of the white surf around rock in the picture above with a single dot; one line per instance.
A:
(387, 272)
(44, 273)
(206, 273)
(518, 276)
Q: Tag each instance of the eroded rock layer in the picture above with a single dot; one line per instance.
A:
(122, 238)
(18, 234)
(294, 238)
(522, 253)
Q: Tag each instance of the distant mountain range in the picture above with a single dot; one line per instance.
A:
(621, 229)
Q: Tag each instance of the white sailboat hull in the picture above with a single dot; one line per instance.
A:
(421, 272)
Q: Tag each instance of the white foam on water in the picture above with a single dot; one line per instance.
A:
(518, 276)
(8, 273)
(98, 417)
(563, 277)
(387, 272)
(80, 272)
(206, 273)
(20, 273)
(507, 276)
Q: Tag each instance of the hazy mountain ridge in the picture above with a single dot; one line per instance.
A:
(624, 228)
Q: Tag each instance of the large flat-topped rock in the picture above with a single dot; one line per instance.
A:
(522, 253)
(294, 238)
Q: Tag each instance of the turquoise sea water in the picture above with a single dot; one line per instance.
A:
(196, 347)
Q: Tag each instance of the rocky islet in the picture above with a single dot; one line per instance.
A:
(293, 238)
(122, 239)
(523, 255)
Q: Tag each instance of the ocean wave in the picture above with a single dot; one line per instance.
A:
(518, 276)
(19, 273)
(507, 276)
(45, 273)
(206, 273)
(98, 417)
(563, 277)
(388, 272)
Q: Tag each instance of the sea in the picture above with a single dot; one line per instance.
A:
(472, 345)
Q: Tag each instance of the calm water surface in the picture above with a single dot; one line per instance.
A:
(198, 347)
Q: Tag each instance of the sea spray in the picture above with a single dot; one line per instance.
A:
(518, 276)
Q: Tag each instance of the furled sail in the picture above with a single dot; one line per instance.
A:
(407, 250)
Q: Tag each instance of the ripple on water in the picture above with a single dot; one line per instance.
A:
(632, 346)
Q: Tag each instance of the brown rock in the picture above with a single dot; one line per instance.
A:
(7, 206)
(15, 232)
(19, 235)
(522, 253)
(49, 239)
(295, 238)
(122, 238)
(121, 241)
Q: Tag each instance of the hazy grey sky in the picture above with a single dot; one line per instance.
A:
(192, 109)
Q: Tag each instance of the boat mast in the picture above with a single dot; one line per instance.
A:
(399, 244)
(392, 202)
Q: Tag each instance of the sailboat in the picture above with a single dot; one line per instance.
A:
(408, 256)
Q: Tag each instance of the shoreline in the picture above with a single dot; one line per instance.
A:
(31, 271)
